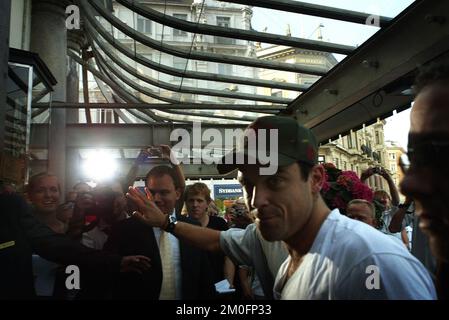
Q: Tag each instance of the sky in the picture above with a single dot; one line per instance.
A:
(335, 31)
(397, 128)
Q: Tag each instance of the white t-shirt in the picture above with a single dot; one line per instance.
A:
(387, 216)
(346, 259)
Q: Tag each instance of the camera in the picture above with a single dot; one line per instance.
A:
(154, 152)
(377, 170)
(239, 212)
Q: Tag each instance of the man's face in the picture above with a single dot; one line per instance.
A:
(361, 212)
(427, 180)
(45, 195)
(284, 201)
(164, 192)
(197, 206)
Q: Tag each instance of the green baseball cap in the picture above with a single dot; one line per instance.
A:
(294, 143)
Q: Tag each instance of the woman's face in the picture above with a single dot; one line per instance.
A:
(384, 199)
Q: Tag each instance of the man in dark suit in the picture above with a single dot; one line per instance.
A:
(192, 277)
(21, 234)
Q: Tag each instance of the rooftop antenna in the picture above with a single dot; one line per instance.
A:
(288, 31)
(318, 32)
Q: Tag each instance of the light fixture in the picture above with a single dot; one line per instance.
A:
(100, 165)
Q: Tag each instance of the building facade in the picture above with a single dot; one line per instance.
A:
(212, 13)
(357, 151)
(394, 153)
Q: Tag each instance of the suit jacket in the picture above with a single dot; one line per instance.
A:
(21, 234)
(133, 236)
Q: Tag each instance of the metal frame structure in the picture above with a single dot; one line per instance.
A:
(368, 84)
(346, 93)
(313, 10)
(88, 13)
(233, 32)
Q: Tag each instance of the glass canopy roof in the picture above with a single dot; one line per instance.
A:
(215, 61)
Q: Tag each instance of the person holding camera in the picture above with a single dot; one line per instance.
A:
(22, 233)
(239, 215)
(389, 201)
(162, 152)
(179, 271)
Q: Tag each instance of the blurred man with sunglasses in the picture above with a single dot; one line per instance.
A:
(427, 176)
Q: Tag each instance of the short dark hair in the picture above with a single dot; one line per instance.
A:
(370, 205)
(305, 168)
(160, 171)
(431, 74)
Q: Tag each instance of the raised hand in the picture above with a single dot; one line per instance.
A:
(147, 211)
(367, 173)
(167, 154)
(142, 156)
(384, 173)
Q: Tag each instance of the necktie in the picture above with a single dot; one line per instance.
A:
(168, 291)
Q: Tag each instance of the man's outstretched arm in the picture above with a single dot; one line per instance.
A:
(149, 213)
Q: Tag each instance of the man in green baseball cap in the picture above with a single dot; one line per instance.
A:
(330, 255)
(272, 141)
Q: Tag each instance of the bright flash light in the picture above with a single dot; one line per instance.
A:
(100, 165)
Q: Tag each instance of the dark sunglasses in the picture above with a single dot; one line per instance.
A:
(431, 153)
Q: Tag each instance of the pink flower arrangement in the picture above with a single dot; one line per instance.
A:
(340, 187)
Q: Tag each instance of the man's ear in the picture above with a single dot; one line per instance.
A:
(178, 193)
(317, 178)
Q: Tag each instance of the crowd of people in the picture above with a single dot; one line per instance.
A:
(282, 240)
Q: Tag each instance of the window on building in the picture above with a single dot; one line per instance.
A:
(179, 63)
(377, 134)
(276, 93)
(393, 168)
(352, 167)
(143, 25)
(345, 166)
(321, 159)
(226, 23)
(337, 163)
(177, 32)
(349, 137)
(392, 156)
(225, 69)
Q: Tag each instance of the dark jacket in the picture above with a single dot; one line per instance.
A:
(21, 234)
(134, 237)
